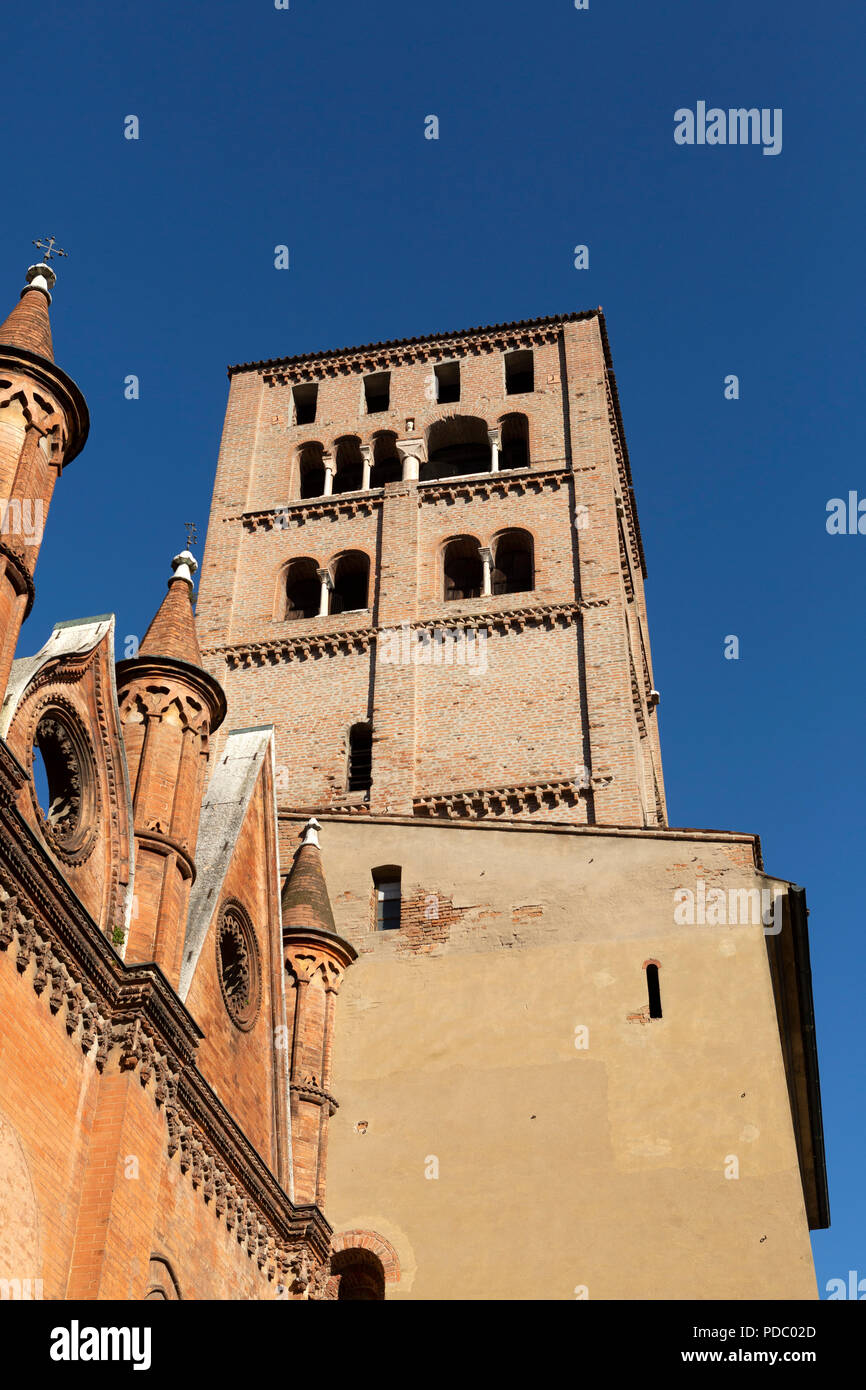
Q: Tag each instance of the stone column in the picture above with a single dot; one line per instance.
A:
(327, 589)
(367, 456)
(495, 437)
(412, 453)
(487, 561)
(330, 465)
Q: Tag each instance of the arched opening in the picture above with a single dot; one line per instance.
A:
(303, 589)
(359, 776)
(362, 1276)
(513, 571)
(653, 989)
(387, 464)
(456, 446)
(350, 465)
(351, 574)
(462, 568)
(312, 470)
(514, 452)
(162, 1285)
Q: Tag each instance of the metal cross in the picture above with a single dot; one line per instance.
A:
(50, 249)
(191, 534)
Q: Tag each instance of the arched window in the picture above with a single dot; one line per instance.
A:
(312, 470)
(512, 563)
(387, 466)
(653, 989)
(456, 445)
(303, 589)
(362, 1277)
(515, 442)
(463, 570)
(350, 465)
(360, 770)
(351, 573)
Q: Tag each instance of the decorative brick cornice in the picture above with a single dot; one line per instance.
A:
(463, 617)
(300, 648)
(457, 616)
(498, 337)
(523, 797)
(518, 483)
(129, 1018)
(298, 513)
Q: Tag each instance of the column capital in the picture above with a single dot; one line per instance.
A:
(325, 578)
(412, 453)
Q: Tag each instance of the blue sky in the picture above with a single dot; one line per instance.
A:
(305, 127)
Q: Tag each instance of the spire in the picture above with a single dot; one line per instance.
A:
(305, 901)
(172, 632)
(28, 326)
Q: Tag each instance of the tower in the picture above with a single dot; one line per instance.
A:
(43, 425)
(424, 566)
(169, 707)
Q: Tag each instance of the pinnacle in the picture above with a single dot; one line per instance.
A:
(29, 326)
(305, 901)
(172, 632)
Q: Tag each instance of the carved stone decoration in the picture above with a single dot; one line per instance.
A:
(238, 966)
(69, 822)
(8, 919)
(320, 1280)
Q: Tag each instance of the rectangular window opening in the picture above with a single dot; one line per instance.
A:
(447, 382)
(377, 392)
(519, 372)
(388, 899)
(305, 398)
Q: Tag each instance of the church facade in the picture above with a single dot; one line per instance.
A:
(346, 950)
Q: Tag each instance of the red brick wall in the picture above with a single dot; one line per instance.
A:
(555, 697)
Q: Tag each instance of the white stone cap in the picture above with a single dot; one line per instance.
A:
(184, 565)
(311, 832)
(40, 277)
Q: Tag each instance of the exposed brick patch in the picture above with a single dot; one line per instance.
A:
(426, 920)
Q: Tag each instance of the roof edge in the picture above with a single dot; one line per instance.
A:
(389, 344)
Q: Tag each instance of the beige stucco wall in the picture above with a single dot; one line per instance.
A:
(560, 1167)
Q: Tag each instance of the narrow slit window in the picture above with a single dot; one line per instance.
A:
(653, 991)
(360, 777)
(388, 897)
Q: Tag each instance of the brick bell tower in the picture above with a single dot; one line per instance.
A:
(434, 544)
(424, 567)
(43, 425)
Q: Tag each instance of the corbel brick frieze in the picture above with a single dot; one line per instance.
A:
(128, 1018)
(314, 645)
(476, 803)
